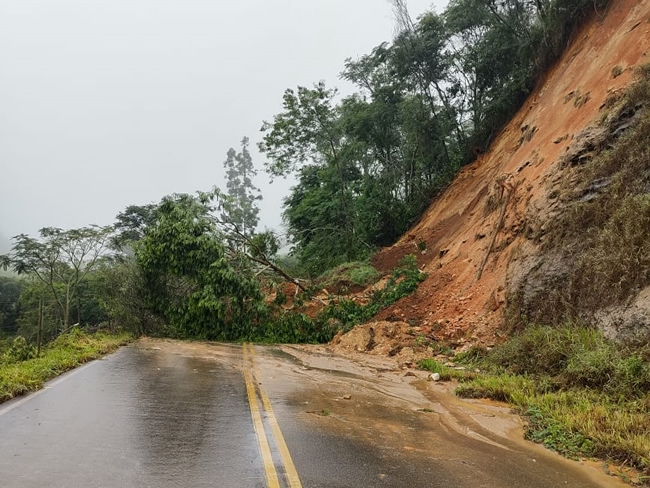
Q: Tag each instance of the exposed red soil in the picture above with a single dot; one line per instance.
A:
(452, 303)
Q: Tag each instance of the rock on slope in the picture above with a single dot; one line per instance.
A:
(478, 232)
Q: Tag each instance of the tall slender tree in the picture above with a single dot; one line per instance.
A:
(244, 195)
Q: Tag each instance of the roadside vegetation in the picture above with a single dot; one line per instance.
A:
(24, 369)
(581, 395)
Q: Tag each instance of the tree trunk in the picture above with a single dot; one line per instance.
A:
(66, 312)
(40, 327)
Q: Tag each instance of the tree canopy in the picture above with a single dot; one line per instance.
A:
(428, 102)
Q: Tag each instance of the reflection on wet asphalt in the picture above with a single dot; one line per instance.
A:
(178, 416)
(135, 419)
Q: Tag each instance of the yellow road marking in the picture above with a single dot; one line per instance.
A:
(265, 451)
(289, 467)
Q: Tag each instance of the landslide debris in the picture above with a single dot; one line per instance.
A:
(502, 243)
(399, 340)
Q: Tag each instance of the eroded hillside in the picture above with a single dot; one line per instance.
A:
(483, 241)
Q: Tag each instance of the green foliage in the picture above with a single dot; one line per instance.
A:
(19, 350)
(122, 291)
(242, 211)
(472, 355)
(294, 327)
(10, 289)
(60, 260)
(188, 278)
(130, 224)
(572, 356)
(319, 223)
(446, 373)
(576, 422)
(357, 273)
(367, 166)
(555, 435)
(342, 315)
(35, 293)
(292, 265)
(581, 394)
(404, 281)
(25, 373)
(306, 138)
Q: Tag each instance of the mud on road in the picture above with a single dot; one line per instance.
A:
(356, 420)
(163, 414)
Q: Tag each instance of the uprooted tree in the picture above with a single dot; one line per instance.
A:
(190, 278)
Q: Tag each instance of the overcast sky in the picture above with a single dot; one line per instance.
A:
(116, 102)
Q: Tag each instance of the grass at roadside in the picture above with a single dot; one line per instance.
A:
(576, 423)
(446, 373)
(580, 394)
(19, 376)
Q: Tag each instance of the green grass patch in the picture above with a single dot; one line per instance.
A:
(19, 376)
(446, 373)
(357, 273)
(581, 395)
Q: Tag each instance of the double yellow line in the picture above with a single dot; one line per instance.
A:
(250, 372)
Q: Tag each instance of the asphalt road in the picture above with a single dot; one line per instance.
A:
(165, 415)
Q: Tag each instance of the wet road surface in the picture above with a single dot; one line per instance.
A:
(163, 414)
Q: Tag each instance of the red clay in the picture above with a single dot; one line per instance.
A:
(457, 230)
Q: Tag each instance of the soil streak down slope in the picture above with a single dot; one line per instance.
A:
(497, 202)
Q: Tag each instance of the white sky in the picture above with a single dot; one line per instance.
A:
(117, 102)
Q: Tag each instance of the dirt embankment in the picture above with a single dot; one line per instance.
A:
(481, 233)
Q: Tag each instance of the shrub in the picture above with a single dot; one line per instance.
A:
(569, 356)
(357, 273)
(19, 350)
(581, 394)
(341, 315)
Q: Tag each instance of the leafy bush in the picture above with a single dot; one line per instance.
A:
(570, 356)
(404, 281)
(581, 394)
(294, 328)
(19, 350)
(357, 273)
